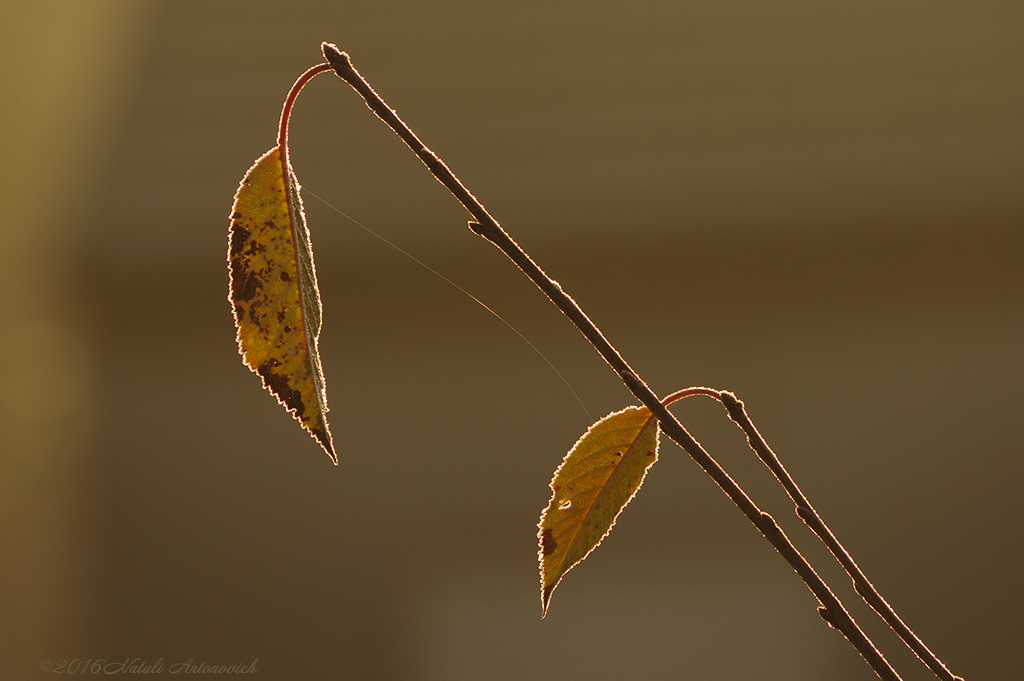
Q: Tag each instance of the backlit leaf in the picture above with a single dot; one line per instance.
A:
(597, 478)
(274, 293)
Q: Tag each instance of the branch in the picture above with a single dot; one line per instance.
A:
(807, 513)
(830, 608)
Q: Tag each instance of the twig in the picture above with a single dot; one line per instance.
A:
(807, 513)
(830, 608)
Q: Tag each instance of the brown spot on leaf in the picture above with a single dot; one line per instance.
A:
(547, 544)
(279, 386)
(284, 276)
(243, 284)
(239, 235)
(255, 247)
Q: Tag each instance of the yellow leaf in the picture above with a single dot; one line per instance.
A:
(274, 293)
(595, 481)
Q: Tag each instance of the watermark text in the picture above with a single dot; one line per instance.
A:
(139, 666)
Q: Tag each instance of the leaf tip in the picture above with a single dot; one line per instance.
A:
(547, 547)
(323, 436)
(545, 598)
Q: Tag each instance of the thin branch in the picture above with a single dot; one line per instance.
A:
(737, 412)
(830, 608)
(810, 516)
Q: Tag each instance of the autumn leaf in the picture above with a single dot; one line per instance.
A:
(595, 481)
(273, 289)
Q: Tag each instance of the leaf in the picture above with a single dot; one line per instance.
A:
(594, 482)
(274, 294)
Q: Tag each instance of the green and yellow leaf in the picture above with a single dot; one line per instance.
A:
(595, 481)
(274, 294)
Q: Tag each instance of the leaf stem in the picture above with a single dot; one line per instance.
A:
(286, 110)
(689, 392)
(830, 608)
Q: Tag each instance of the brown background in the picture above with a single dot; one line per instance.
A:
(819, 208)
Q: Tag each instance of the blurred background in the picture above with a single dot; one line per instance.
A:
(817, 207)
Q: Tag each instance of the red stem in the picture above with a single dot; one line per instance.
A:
(687, 392)
(286, 110)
